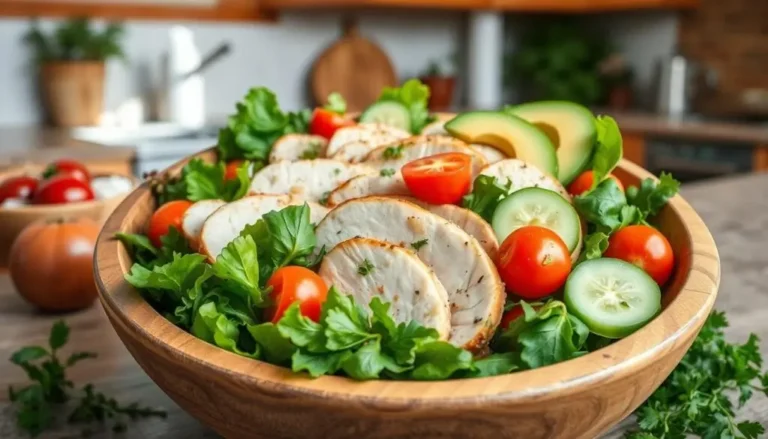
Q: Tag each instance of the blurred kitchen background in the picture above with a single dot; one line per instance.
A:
(686, 79)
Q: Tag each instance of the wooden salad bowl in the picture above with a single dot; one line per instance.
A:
(580, 398)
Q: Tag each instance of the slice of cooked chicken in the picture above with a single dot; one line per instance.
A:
(523, 175)
(365, 185)
(396, 154)
(371, 133)
(294, 147)
(355, 151)
(467, 273)
(309, 180)
(194, 217)
(226, 222)
(435, 128)
(491, 154)
(365, 268)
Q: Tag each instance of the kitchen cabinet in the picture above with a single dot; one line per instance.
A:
(570, 6)
(199, 10)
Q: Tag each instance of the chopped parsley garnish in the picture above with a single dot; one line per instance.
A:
(387, 172)
(393, 152)
(365, 268)
(419, 244)
(311, 153)
(324, 200)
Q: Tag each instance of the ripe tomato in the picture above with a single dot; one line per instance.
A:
(439, 179)
(325, 122)
(169, 214)
(61, 189)
(68, 167)
(22, 187)
(534, 262)
(51, 264)
(645, 247)
(583, 183)
(230, 172)
(296, 284)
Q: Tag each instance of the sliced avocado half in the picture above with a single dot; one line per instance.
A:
(570, 127)
(507, 133)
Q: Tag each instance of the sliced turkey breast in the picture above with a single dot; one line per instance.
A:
(366, 268)
(293, 147)
(365, 185)
(371, 133)
(491, 154)
(475, 291)
(354, 152)
(523, 175)
(396, 154)
(194, 217)
(226, 222)
(435, 128)
(309, 180)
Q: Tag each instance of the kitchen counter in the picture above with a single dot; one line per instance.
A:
(40, 145)
(740, 229)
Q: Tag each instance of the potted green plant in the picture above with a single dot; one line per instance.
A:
(70, 62)
(441, 86)
(558, 60)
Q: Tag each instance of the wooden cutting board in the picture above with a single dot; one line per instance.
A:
(353, 66)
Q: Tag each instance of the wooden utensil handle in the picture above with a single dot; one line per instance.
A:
(349, 26)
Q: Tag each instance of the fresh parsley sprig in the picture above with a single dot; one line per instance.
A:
(487, 193)
(37, 403)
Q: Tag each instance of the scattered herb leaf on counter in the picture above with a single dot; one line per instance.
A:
(487, 192)
(414, 96)
(336, 103)
(37, 403)
(608, 151)
(697, 397)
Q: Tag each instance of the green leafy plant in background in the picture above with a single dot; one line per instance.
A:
(558, 60)
(75, 40)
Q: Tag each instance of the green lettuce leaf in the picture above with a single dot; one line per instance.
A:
(275, 348)
(336, 103)
(487, 193)
(652, 195)
(439, 360)
(608, 151)
(238, 265)
(495, 364)
(414, 95)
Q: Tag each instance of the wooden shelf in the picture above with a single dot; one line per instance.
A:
(223, 10)
(568, 6)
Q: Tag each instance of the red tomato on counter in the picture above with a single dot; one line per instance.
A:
(61, 189)
(295, 284)
(439, 179)
(22, 187)
(645, 247)
(72, 168)
(325, 122)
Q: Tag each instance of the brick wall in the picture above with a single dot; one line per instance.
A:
(730, 36)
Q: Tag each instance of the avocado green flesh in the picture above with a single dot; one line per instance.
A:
(571, 128)
(508, 133)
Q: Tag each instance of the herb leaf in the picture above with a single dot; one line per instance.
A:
(336, 103)
(238, 264)
(652, 195)
(609, 148)
(392, 152)
(416, 245)
(414, 96)
(387, 172)
(486, 194)
(495, 364)
(365, 268)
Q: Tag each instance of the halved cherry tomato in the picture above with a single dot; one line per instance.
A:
(583, 183)
(296, 284)
(439, 179)
(22, 186)
(645, 247)
(534, 262)
(325, 122)
(230, 172)
(169, 214)
(61, 189)
(68, 167)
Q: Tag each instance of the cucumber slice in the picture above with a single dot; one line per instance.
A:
(535, 206)
(390, 113)
(612, 297)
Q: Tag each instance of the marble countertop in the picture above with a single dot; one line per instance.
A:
(735, 210)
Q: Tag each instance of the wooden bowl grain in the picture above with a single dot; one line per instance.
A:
(580, 398)
(14, 220)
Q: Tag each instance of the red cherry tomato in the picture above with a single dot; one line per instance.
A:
(169, 214)
(325, 122)
(534, 262)
(296, 284)
(62, 189)
(645, 247)
(68, 167)
(439, 179)
(22, 187)
(230, 172)
(583, 183)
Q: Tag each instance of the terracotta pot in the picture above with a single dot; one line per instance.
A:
(73, 91)
(441, 91)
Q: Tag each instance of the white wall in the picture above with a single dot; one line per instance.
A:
(276, 55)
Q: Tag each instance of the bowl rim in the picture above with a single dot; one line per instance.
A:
(676, 325)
